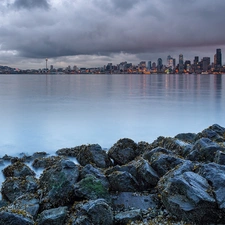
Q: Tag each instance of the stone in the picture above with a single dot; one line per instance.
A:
(18, 169)
(124, 218)
(55, 216)
(94, 212)
(93, 154)
(15, 217)
(45, 162)
(90, 188)
(71, 152)
(57, 184)
(14, 187)
(123, 151)
(122, 181)
(220, 158)
(187, 137)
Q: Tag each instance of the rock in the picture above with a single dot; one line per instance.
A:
(57, 184)
(218, 129)
(204, 150)
(54, 216)
(220, 158)
(188, 196)
(71, 152)
(123, 151)
(148, 154)
(94, 212)
(93, 154)
(46, 162)
(142, 147)
(3, 203)
(122, 181)
(147, 177)
(163, 163)
(123, 218)
(187, 137)
(15, 217)
(14, 187)
(91, 188)
(89, 169)
(18, 169)
(136, 200)
(215, 175)
(28, 203)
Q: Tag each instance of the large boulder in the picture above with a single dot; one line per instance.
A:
(123, 151)
(45, 162)
(71, 152)
(187, 137)
(93, 154)
(204, 150)
(96, 172)
(188, 195)
(15, 217)
(122, 181)
(57, 184)
(215, 175)
(54, 216)
(94, 212)
(18, 169)
(90, 188)
(28, 203)
(14, 187)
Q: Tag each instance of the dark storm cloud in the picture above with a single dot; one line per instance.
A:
(108, 27)
(28, 4)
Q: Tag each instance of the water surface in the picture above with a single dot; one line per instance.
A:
(48, 112)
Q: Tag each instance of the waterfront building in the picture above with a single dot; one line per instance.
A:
(218, 58)
(149, 65)
(205, 64)
(153, 66)
(159, 65)
(170, 63)
(181, 63)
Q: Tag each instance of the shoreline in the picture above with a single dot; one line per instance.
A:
(169, 181)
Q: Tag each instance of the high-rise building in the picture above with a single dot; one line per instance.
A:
(170, 63)
(181, 63)
(205, 63)
(149, 65)
(218, 57)
(159, 65)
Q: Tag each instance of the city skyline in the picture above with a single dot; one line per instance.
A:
(93, 33)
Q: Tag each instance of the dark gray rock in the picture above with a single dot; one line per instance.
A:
(122, 181)
(215, 175)
(162, 163)
(187, 137)
(148, 154)
(123, 218)
(136, 200)
(95, 212)
(18, 169)
(90, 188)
(90, 169)
(204, 150)
(71, 152)
(188, 195)
(28, 203)
(3, 203)
(54, 216)
(220, 158)
(123, 151)
(15, 217)
(45, 162)
(93, 154)
(14, 187)
(218, 129)
(142, 147)
(57, 184)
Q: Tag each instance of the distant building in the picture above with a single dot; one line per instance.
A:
(149, 65)
(181, 63)
(205, 63)
(170, 62)
(218, 58)
(153, 66)
(159, 65)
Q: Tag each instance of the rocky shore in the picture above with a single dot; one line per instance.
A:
(173, 180)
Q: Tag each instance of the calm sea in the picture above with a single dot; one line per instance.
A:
(49, 112)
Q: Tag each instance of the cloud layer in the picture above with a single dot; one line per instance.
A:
(101, 29)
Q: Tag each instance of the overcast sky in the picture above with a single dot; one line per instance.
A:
(94, 32)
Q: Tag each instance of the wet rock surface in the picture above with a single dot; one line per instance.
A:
(176, 180)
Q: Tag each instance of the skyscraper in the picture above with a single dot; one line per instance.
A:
(160, 65)
(181, 63)
(218, 57)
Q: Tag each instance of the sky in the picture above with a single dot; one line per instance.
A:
(93, 33)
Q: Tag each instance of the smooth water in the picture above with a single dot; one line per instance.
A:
(49, 112)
